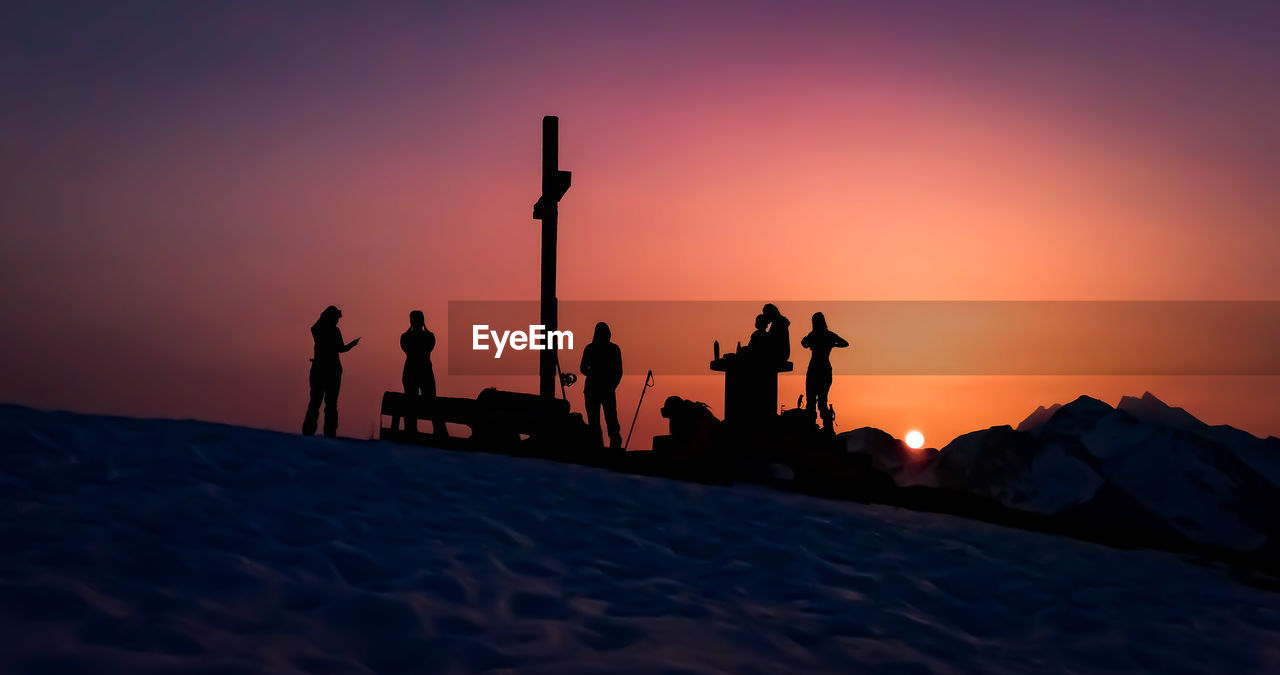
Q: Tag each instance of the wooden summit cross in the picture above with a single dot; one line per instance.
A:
(554, 184)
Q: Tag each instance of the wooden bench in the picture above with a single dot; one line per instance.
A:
(498, 420)
(434, 412)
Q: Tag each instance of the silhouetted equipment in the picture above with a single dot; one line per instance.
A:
(648, 382)
(750, 387)
(566, 380)
(695, 437)
(554, 184)
(683, 415)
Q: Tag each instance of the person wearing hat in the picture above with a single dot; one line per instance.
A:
(326, 372)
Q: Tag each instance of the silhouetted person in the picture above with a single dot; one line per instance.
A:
(602, 366)
(817, 379)
(779, 335)
(758, 344)
(417, 377)
(326, 372)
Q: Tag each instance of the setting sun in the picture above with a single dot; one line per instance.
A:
(914, 439)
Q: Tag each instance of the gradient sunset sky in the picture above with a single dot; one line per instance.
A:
(186, 185)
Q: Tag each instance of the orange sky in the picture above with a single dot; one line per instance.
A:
(186, 190)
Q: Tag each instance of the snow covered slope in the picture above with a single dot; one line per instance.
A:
(132, 546)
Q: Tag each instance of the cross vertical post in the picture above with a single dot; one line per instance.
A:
(554, 184)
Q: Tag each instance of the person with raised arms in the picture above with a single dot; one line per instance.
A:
(817, 379)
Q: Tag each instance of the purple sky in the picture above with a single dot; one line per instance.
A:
(186, 185)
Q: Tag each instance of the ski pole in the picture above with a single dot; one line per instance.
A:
(648, 382)
(560, 376)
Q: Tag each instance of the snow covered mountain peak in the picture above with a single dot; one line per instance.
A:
(1153, 410)
(1038, 418)
(1143, 466)
(1075, 417)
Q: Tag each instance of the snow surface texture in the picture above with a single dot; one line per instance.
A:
(134, 546)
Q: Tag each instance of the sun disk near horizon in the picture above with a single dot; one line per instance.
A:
(914, 439)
